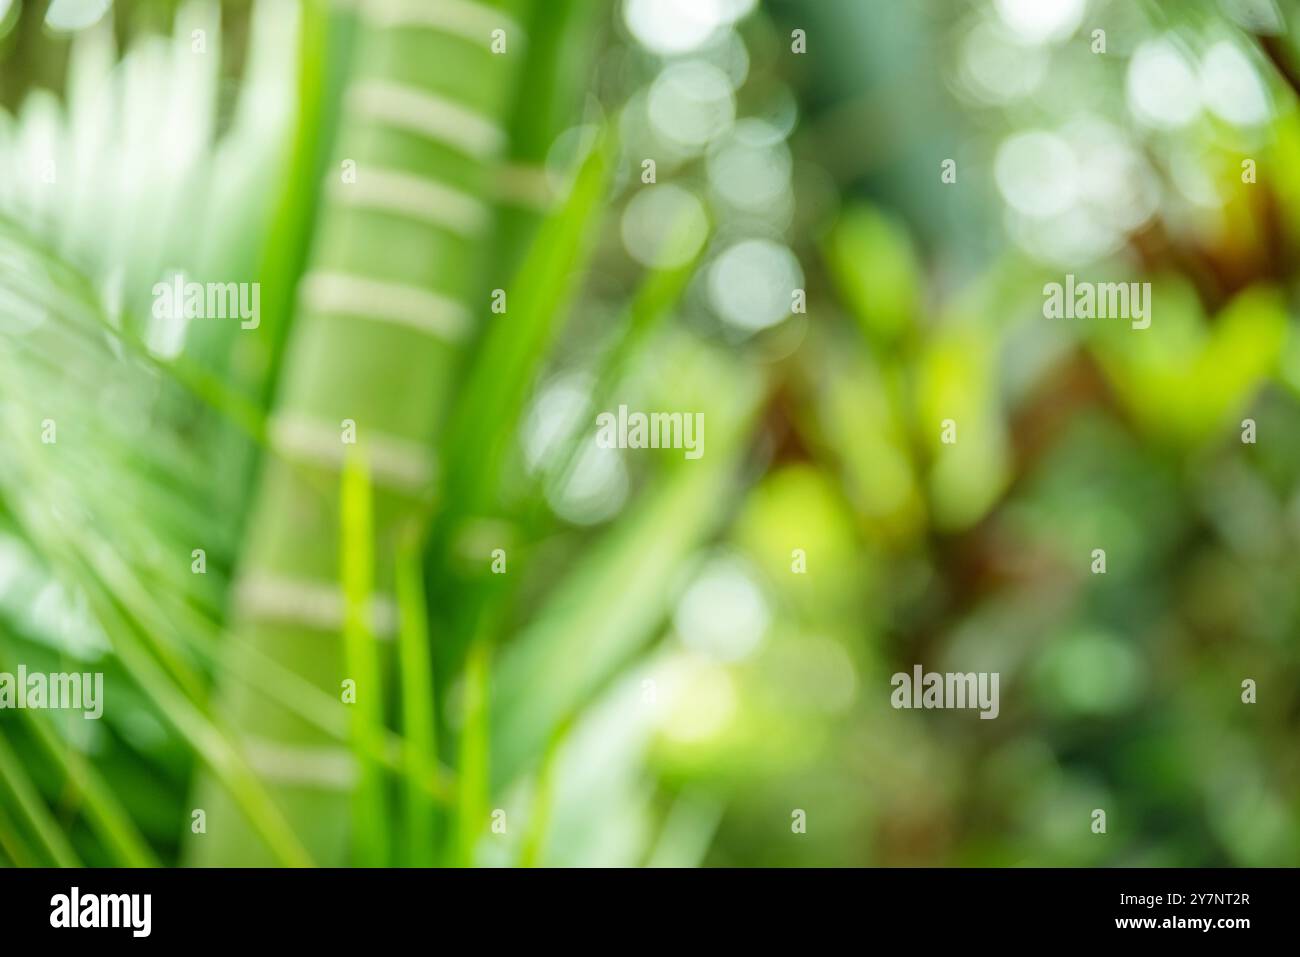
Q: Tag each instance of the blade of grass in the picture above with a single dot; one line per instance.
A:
(518, 343)
(657, 293)
(371, 847)
(214, 747)
(472, 804)
(267, 676)
(103, 811)
(547, 97)
(12, 844)
(211, 743)
(418, 711)
(687, 833)
(608, 605)
(28, 801)
(272, 679)
(328, 35)
(539, 822)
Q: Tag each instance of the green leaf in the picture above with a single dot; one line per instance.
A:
(371, 840)
(419, 723)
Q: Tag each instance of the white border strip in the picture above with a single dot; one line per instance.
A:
(317, 605)
(394, 462)
(428, 312)
(428, 115)
(323, 766)
(414, 197)
(463, 18)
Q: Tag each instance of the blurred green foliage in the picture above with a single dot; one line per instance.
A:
(680, 655)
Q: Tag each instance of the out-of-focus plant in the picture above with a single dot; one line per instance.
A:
(475, 636)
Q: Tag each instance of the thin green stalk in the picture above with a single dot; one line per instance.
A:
(657, 293)
(105, 814)
(472, 805)
(514, 349)
(539, 821)
(189, 719)
(14, 847)
(613, 599)
(371, 841)
(33, 809)
(418, 711)
(686, 833)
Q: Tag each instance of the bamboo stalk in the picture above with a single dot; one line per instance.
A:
(381, 324)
